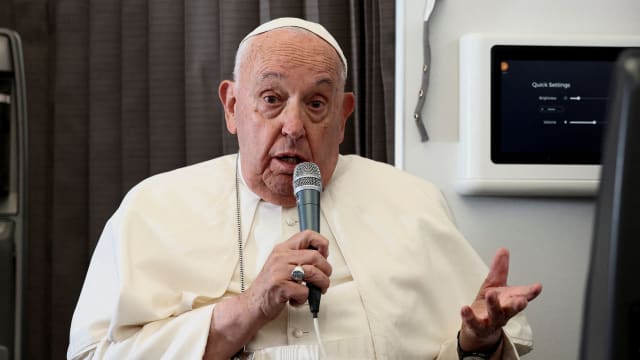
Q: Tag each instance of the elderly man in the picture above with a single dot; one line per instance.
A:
(198, 262)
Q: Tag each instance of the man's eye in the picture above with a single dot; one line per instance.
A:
(270, 99)
(316, 104)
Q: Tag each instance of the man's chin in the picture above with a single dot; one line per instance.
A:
(285, 190)
(281, 190)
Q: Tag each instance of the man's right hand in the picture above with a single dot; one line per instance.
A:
(273, 287)
(237, 319)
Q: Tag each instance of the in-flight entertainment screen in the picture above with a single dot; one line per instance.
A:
(548, 103)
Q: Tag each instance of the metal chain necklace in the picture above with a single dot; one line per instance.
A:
(241, 354)
(239, 224)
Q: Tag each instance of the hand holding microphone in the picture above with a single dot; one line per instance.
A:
(303, 256)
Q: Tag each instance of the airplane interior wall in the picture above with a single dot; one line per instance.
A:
(549, 238)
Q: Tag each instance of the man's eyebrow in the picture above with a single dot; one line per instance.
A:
(276, 75)
(325, 81)
(271, 74)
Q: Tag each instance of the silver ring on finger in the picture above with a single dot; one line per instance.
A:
(297, 274)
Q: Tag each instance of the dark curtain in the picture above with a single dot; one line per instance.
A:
(120, 90)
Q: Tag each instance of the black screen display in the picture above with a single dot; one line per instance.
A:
(548, 103)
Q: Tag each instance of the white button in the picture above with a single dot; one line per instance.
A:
(291, 221)
(298, 333)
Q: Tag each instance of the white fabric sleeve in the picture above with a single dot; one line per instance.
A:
(182, 337)
(175, 337)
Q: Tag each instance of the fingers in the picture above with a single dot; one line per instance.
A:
(498, 306)
(495, 303)
(279, 267)
(308, 258)
(295, 252)
(498, 272)
(534, 291)
(316, 276)
(470, 319)
(527, 292)
(306, 239)
(296, 293)
(503, 304)
(274, 286)
(491, 314)
(493, 319)
(495, 312)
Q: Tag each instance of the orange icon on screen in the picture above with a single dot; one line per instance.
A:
(504, 66)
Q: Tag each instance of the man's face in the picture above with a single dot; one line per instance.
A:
(287, 106)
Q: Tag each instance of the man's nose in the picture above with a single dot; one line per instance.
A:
(293, 121)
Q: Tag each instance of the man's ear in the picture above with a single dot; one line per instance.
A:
(228, 99)
(348, 105)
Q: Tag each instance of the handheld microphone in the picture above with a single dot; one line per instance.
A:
(307, 185)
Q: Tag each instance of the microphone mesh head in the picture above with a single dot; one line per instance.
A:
(306, 175)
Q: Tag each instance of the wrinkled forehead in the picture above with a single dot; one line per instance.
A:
(311, 27)
(290, 53)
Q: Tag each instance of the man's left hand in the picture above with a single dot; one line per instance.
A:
(494, 305)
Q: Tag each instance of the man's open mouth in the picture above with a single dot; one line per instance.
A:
(291, 159)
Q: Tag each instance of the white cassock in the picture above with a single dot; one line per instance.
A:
(401, 269)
